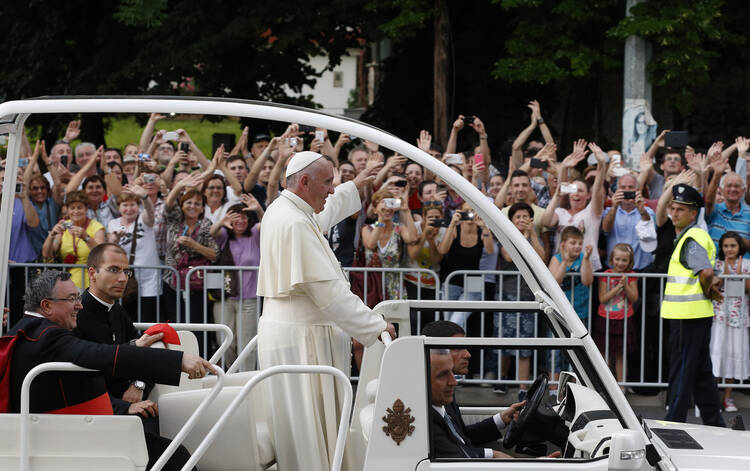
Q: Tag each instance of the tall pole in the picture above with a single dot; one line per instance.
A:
(636, 86)
(440, 73)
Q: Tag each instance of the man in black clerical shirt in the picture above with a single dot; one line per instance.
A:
(103, 320)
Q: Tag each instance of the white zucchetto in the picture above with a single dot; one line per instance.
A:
(300, 160)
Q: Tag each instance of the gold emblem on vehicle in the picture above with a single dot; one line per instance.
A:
(398, 420)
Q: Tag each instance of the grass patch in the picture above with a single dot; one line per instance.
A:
(123, 130)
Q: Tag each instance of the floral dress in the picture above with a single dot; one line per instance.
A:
(390, 257)
(730, 339)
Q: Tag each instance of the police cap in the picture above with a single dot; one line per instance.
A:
(687, 195)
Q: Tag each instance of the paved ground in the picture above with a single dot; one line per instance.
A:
(651, 407)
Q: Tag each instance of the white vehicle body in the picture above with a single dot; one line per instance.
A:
(397, 370)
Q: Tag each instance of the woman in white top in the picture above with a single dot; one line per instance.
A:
(139, 224)
(581, 208)
(215, 188)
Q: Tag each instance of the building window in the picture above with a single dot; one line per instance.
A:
(338, 79)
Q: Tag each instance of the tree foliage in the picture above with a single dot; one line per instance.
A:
(688, 39)
(253, 50)
(559, 40)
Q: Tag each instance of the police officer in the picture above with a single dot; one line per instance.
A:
(688, 308)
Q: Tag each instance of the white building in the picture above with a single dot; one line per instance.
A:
(333, 89)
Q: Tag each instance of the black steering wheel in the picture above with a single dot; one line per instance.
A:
(536, 394)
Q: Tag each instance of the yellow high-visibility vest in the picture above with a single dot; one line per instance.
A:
(683, 295)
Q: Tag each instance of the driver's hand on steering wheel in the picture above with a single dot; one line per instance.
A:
(511, 413)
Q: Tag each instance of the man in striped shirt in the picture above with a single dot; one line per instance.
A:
(732, 214)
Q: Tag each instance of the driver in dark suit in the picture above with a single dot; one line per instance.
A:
(451, 438)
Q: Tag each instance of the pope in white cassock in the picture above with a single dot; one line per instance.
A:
(309, 312)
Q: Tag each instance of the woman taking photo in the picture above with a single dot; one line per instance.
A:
(238, 232)
(424, 254)
(189, 244)
(72, 239)
(462, 247)
(385, 239)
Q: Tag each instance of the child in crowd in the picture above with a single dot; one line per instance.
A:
(572, 259)
(617, 294)
(729, 334)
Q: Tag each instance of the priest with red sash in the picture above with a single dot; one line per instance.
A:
(44, 334)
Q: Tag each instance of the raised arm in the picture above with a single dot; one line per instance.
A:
(502, 195)
(450, 234)
(382, 175)
(272, 190)
(536, 111)
(516, 155)
(168, 173)
(597, 195)
(221, 164)
(662, 206)
(408, 229)
(241, 147)
(486, 235)
(587, 274)
(32, 218)
(223, 224)
(252, 176)
(183, 136)
(458, 124)
(148, 131)
(33, 159)
(147, 217)
(557, 268)
(719, 165)
(193, 180)
(484, 147)
(78, 177)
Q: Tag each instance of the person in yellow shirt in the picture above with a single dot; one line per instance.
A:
(688, 309)
(71, 240)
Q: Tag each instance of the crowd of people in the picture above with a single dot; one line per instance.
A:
(594, 223)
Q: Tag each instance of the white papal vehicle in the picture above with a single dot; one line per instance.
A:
(222, 419)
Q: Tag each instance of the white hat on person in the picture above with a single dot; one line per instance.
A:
(300, 160)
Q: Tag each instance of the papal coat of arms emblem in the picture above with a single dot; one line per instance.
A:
(398, 420)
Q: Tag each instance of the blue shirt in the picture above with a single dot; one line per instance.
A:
(623, 232)
(579, 291)
(722, 220)
(21, 250)
(48, 216)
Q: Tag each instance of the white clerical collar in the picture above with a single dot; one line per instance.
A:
(32, 314)
(108, 305)
(440, 410)
(299, 202)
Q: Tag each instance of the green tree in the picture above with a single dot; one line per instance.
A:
(252, 50)
(690, 41)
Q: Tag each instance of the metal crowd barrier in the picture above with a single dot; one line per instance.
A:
(215, 283)
(154, 305)
(651, 328)
(647, 359)
(403, 284)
